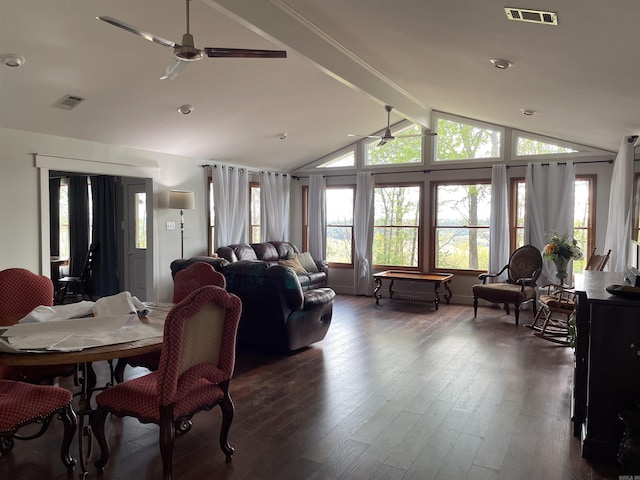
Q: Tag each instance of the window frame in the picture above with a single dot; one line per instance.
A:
(253, 185)
(591, 221)
(305, 223)
(420, 227)
(435, 116)
(434, 226)
(395, 128)
(351, 149)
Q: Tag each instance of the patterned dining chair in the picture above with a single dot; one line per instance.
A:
(185, 282)
(196, 365)
(23, 404)
(20, 292)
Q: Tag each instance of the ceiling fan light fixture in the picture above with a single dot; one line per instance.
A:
(501, 63)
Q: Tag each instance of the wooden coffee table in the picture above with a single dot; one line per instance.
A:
(436, 279)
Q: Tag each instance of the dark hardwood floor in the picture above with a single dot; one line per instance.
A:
(396, 391)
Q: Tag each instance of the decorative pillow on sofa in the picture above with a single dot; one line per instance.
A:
(294, 264)
(306, 260)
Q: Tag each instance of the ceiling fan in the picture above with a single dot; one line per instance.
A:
(187, 52)
(387, 136)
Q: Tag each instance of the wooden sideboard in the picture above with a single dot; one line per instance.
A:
(607, 364)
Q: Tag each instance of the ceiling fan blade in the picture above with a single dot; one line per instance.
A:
(363, 136)
(243, 53)
(426, 134)
(174, 69)
(381, 143)
(136, 31)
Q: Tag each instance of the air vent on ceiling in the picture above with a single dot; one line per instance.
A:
(533, 16)
(68, 102)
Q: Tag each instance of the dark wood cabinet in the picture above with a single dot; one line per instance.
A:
(607, 364)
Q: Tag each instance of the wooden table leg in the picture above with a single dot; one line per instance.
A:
(449, 294)
(436, 290)
(376, 290)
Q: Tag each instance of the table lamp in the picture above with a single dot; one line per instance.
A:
(181, 200)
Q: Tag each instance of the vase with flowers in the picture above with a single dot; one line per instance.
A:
(560, 250)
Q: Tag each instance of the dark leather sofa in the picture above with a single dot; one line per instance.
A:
(277, 314)
(272, 253)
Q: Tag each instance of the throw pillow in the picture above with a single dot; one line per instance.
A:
(294, 264)
(307, 262)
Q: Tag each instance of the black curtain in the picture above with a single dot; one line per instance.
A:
(78, 223)
(105, 276)
(54, 216)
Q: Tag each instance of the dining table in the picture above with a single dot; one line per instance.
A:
(83, 359)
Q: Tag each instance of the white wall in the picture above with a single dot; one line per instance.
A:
(20, 236)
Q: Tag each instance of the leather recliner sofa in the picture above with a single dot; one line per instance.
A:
(277, 314)
(272, 253)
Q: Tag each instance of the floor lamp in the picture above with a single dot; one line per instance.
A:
(181, 200)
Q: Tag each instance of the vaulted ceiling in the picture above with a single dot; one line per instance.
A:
(346, 60)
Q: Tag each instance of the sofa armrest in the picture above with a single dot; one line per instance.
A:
(323, 266)
(284, 281)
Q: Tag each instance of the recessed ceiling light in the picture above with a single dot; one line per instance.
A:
(185, 109)
(501, 63)
(12, 60)
(283, 135)
(528, 112)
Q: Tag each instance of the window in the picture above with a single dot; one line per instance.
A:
(141, 220)
(340, 225)
(344, 159)
(529, 146)
(461, 225)
(583, 216)
(339, 205)
(464, 139)
(254, 213)
(65, 249)
(396, 152)
(397, 226)
(212, 237)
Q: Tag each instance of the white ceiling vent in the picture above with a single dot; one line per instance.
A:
(533, 16)
(68, 102)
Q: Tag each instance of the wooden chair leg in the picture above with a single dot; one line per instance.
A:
(475, 307)
(228, 410)
(167, 438)
(97, 425)
(517, 313)
(70, 421)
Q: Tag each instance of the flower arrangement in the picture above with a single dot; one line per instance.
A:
(559, 246)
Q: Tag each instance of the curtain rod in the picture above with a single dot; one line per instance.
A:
(427, 170)
(242, 169)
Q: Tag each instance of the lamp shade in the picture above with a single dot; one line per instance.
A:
(181, 200)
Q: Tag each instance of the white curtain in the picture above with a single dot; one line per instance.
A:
(549, 207)
(363, 234)
(317, 216)
(620, 207)
(230, 204)
(274, 201)
(499, 221)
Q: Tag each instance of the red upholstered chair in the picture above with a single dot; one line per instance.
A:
(22, 404)
(185, 282)
(193, 277)
(196, 364)
(20, 292)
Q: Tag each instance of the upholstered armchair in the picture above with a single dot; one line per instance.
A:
(523, 270)
(20, 292)
(196, 365)
(23, 404)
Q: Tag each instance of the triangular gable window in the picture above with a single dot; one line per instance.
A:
(347, 159)
(529, 146)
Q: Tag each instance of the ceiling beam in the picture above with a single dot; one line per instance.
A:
(282, 25)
